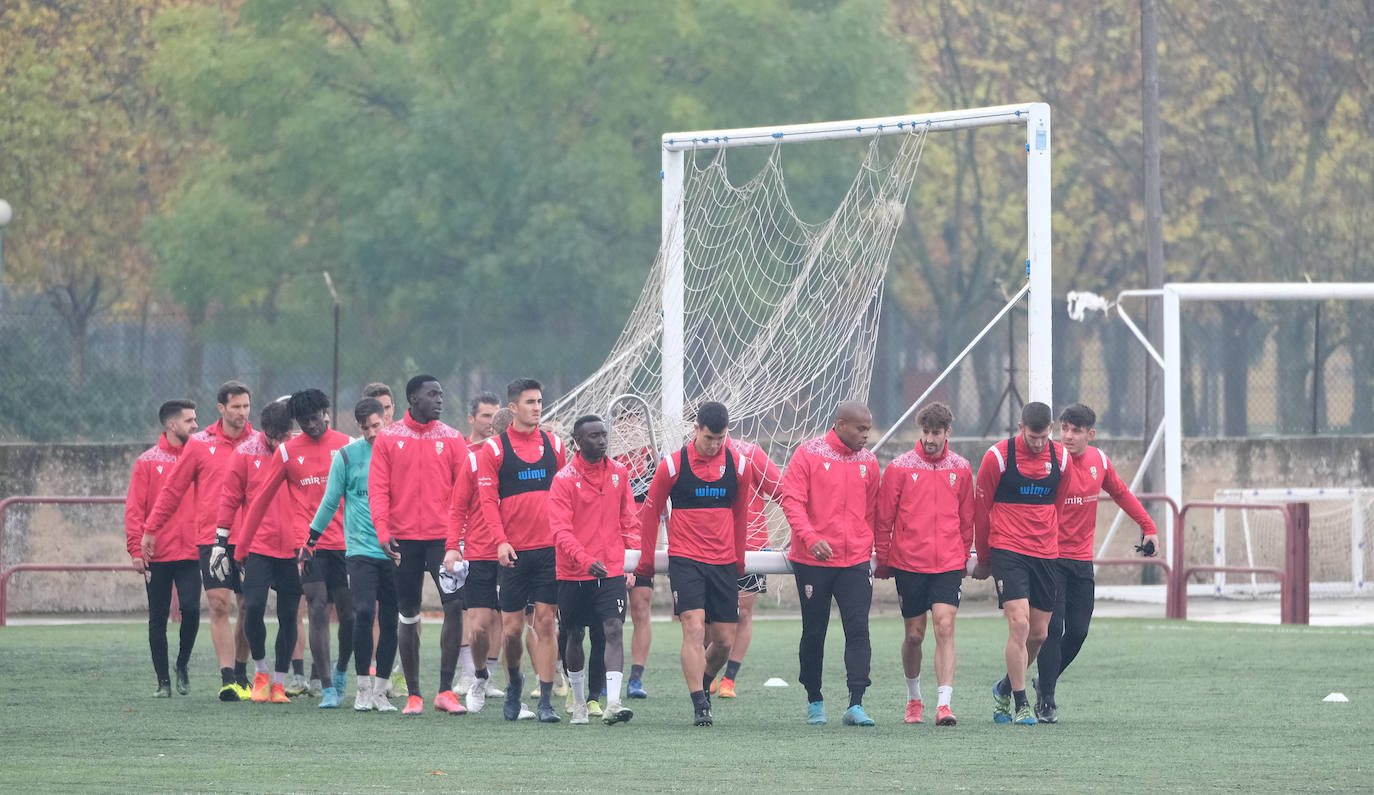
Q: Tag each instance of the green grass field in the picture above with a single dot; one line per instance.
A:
(1150, 705)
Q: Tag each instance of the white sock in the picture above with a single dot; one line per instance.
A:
(260, 666)
(278, 677)
(465, 657)
(945, 693)
(493, 664)
(913, 688)
(578, 681)
(364, 684)
(613, 685)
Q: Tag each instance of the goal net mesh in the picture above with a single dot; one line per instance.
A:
(780, 315)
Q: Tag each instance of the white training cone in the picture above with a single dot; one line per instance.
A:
(776, 682)
(1337, 697)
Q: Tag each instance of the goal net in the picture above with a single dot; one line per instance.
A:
(1339, 542)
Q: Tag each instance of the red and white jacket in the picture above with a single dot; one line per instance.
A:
(411, 479)
(767, 486)
(177, 541)
(830, 493)
(302, 464)
(1031, 530)
(521, 520)
(593, 515)
(273, 536)
(925, 512)
(1092, 473)
(706, 535)
(467, 526)
(202, 465)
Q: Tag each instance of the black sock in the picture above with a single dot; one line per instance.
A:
(481, 673)
(164, 683)
(515, 676)
(706, 682)
(699, 700)
(856, 698)
(240, 672)
(226, 676)
(545, 692)
(1004, 687)
(298, 667)
(812, 696)
(1020, 696)
(732, 669)
(637, 672)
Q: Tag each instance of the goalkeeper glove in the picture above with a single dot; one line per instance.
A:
(219, 556)
(1148, 548)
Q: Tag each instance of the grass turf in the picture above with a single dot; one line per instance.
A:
(1149, 705)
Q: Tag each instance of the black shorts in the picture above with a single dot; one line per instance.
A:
(916, 592)
(372, 581)
(753, 583)
(530, 580)
(644, 582)
(327, 567)
(713, 587)
(480, 589)
(590, 603)
(417, 558)
(262, 571)
(208, 581)
(1018, 576)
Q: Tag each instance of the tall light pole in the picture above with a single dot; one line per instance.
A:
(334, 398)
(6, 213)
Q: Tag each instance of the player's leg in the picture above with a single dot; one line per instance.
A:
(854, 597)
(240, 638)
(814, 585)
(641, 598)
(451, 635)
(409, 581)
(387, 622)
(317, 605)
(546, 657)
(750, 586)
(220, 599)
(596, 664)
(297, 683)
(722, 617)
(481, 621)
(1049, 660)
(911, 599)
(158, 585)
(1079, 591)
(336, 579)
(186, 575)
(286, 578)
(946, 592)
(612, 601)
(687, 582)
(362, 584)
(257, 579)
(571, 595)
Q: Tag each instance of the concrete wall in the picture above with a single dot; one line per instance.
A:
(94, 534)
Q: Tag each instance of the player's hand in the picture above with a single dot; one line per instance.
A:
(139, 566)
(505, 555)
(821, 550)
(1149, 545)
(882, 572)
(392, 549)
(306, 557)
(148, 545)
(452, 558)
(645, 568)
(597, 569)
(981, 571)
(219, 563)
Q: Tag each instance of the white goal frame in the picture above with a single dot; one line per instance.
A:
(1357, 498)
(1034, 116)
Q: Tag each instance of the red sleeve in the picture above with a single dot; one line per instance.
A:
(966, 513)
(650, 513)
(1065, 481)
(135, 508)
(767, 475)
(174, 488)
(273, 478)
(489, 494)
(379, 490)
(561, 522)
(460, 502)
(629, 515)
(889, 497)
(740, 512)
(234, 492)
(989, 473)
(1121, 493)
(796, 481)
(871, 500)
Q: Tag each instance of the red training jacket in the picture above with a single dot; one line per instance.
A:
(1027, 529)
(830, 493)
(302, 464)
(411, 478)
(177, 541)
(593, 515)
(1093, 473)
(521, 520)
(274, 535)
(925, 512)
(706, 535)
(767, 486)
(203, 464)
(467, 526)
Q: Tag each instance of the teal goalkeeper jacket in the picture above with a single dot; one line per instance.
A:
(348, 479)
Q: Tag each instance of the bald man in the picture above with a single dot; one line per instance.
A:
(830, 499)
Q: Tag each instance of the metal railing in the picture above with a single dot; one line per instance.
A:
(1294, 578)
(7, 573)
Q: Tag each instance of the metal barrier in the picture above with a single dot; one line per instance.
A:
(1294, 577)
(5, 574)
(1158, 560)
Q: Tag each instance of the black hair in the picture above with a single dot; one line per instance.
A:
(714, 416)
(229, 389)
(583, 420)
(414, 384)
(276, 419)
(366, 408)
(520, 386)
(376, 389)
(173, 408)
(1036, 416)
(483, 397)
(1080, 415)
(306, 402)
